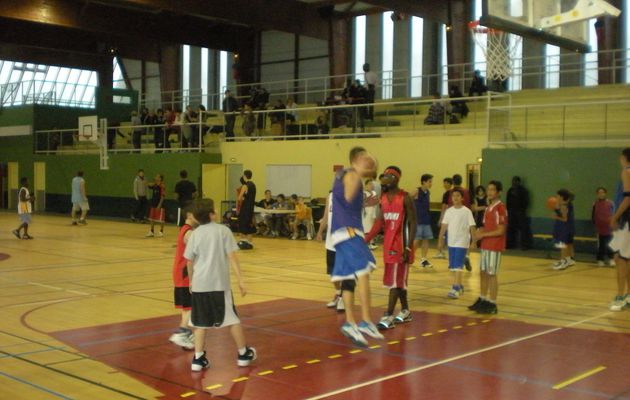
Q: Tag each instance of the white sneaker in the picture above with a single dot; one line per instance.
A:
(570, 261)
(440, 255)
(333, 302)
(340, 304)
(309, 237)
(370, 329)
(453, 293)
(183, 339)
(386, 322)
(150, 234)
(600, 263)
(403, 316)
(372, 246)
(159, 234)
(352, 333)
(560, 265)
(618, 303)
(611, 263)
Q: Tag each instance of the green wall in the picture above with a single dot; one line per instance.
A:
(544, 171)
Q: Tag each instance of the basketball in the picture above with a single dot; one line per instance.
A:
(552, 203)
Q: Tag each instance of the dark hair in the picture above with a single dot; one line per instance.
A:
(241, 180)
(280, 196)
(355, 151)
(23, 180)
(566, 195)
(457, 179)
(183, 174)
(395, 168)
(202, 210)
(457, 190)
(294, 196)
(140, 170)
(497, 185)
(626, 153)
(79, 173)
(425, 177)
(267, 191)
(601, 188)
(448, 180)
(516, 179)
(480, 187)
(161, 177)
(248, 174)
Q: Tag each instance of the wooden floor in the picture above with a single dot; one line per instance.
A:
(73, 277)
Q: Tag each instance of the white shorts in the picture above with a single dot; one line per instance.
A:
(490, 262)
(620, 242)
(81, 206)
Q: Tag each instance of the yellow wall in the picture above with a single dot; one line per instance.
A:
(438, 155)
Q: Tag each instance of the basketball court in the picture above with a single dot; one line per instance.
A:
(80, 318)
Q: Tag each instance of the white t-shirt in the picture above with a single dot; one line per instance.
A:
(459, 221)
(24, 207)
(208, 246)
(329, 242)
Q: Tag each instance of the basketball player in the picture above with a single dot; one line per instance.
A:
(353, 260)
(620, 243)
(79, 199)
(246, 224)
(25, 208)
(399, 217)
(325, 224)
(181, 294)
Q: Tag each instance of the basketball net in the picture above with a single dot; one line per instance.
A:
(497, 48)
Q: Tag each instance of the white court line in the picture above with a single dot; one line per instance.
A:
(455, 358)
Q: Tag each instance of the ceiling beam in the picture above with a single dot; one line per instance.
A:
(437, 11)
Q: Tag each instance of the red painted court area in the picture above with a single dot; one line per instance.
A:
(303, 355)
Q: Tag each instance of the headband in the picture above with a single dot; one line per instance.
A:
(391, 171)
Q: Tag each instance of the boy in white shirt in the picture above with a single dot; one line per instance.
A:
(210, 251)
(460, 224)
(24, 209)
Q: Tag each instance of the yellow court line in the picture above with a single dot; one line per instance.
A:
(376, 346)
(267, 372)
(586, 374)
(427, 334)
(410, 338)
(443, 330)
(355, 351)
(241, 379)
(333, 356)
(457, 327)
(187, 394)
(314, 361)
(485, 321)
(212, 387)
(393, 342)
(289, 366)
(471, 324)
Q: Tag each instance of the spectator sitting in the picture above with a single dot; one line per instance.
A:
(278, 221)
(322, 123)
(263, 221)
(458, 106)
(303, 215)
(249, 121)
(278, 116)
(436, 112)
(477, 86)
(292, 114)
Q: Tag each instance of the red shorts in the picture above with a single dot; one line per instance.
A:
(395, 275)
(156, 214)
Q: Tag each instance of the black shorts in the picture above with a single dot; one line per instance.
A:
(182, 298)
(246, 222)
(330, 261)
(213, 310)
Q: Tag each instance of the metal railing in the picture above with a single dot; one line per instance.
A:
(57, 93)
(528, 72)
(395, 118)
(560, 124)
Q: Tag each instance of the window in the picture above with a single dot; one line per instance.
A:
(552, 66)
(359, 44)
(591, 76)
(205, 54)
(626, 36)
(185, 73)
(223, 72)
(388, 55)
(118, 78)
(417, 31)
(443, 59)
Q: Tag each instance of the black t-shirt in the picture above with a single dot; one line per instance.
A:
(266, 204)
(250, 197)
(185, 190)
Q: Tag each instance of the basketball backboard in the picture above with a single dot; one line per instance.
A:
(562, 23)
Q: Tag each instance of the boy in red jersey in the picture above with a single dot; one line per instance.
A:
(398, 216)
(183, 336)
(492, 237)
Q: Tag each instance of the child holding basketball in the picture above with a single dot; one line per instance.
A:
(399, 219)
(603, 210)
(25, 208)
(183, 336)
(210, 251)
(492, 237)
(564, 229)
(460, 225)
(156, 213)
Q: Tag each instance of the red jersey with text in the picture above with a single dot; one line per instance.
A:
(495, 215)
(180, 272)
(394, 225)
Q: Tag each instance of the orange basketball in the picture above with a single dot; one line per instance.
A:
(552, 203)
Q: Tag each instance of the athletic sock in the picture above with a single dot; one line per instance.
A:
(198, 354)
(393, 297)
(403, 299)
(242, 351)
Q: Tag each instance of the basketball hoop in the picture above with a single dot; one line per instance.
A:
(497, 48)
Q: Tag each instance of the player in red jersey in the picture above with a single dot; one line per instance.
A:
(398, 220)
(183, 336)
(492, 237)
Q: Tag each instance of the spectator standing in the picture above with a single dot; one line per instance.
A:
(517, 202)
(136, 136)
(603, 210)
(186, 191)
(436, 111)
(229, 105)
(140, 194)
(292, 114)
(159, 138)
(480, 203)
(424, 232)
(25, 209)
(246, 225)
(371, 80)
(79, 199)
(156, 213)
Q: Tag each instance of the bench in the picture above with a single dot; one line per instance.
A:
(549, 239)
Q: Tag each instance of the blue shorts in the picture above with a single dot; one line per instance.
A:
(25, 218)
(424, 232)
(456, 257)
(352, 259)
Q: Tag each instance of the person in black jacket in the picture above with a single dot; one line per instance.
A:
(518, 229)
(230, 104)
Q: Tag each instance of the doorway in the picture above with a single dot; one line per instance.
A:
(39, 186)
